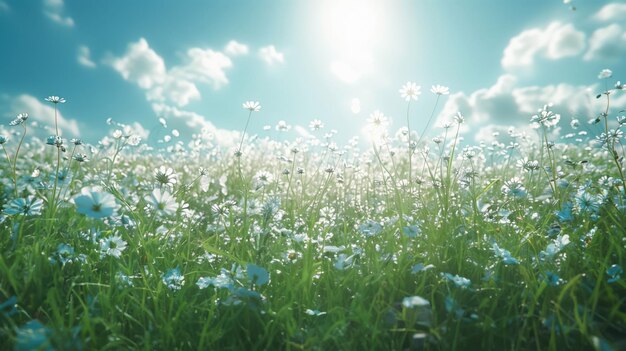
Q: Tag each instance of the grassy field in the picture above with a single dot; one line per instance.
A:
(408, 243)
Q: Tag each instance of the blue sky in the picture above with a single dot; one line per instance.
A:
(195, 62)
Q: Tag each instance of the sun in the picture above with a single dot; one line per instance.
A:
(352, 31)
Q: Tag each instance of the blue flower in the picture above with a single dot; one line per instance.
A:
(459, 281)
(173, 279)
(504, 254)
(257, 275)
(615, 273)
(94, 203)
(412, 231)
(33, 336)
(29, 206)
(370, 228)
(414, 301)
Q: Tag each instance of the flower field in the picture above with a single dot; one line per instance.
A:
(417, 240)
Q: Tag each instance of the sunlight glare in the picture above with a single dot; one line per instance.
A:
(352, 31)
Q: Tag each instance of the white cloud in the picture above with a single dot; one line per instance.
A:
(54, 10)
(144, 67)
(611, 12)
(607, 43)
(4, 7)
(43, 113)
(206, 66)
(554, 42)
(505, 103)
(141, 65)
(84, 57)
(234, 48)
(194, 122)
(270, 55)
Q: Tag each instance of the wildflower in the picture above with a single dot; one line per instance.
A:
(343, 261)
(414, 301)
(263, 178)
(552, 279)
(459, 281)
(55, 100)
(378, 120)
(291, 256)
(173, 279)
(586, 202)
(370, 228)
(64, 253)
(282, 126)
(504, 254)
(94, 203)
(112, 246)
(619, 85)
(124, 280)
(165, 176)
(439, 90)
(33, 336)
(252, 106)
(257, 275)
(412, 231)
(316, 124)
(565, 214)
(514, 187)
(76, 141)
(605, 73)
(421, 268)
(3, 140)
(315, 313)
(545, 118)
(162, 202)
(615, 273)
(80, 157)
(19, 119)
(54, 140)
(221, 281)
(410, 91)
(459, 118)
(29, 206)
(555, 246)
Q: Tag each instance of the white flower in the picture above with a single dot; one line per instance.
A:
(605, 73)
(410, 91)
(55, 100)
(440, 90)
(252, 106)
(162, 202)
(112, 246)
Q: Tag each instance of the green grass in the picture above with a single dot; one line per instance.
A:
(225, 218)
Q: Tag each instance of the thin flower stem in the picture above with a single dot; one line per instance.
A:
(408, 127)
(19, 146)
(243, 135)
(13, 169)
(429, 120)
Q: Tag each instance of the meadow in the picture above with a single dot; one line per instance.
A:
(418, 240)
